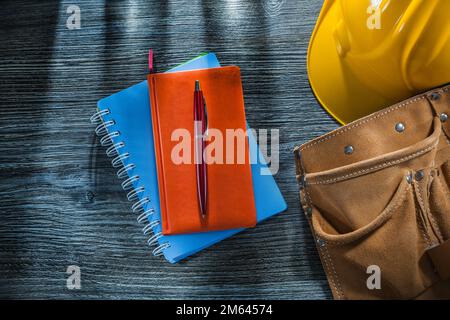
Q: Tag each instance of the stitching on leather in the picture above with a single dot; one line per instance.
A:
(378, 166)
(326, 256)
(422, 227)
(337, 282)
(421, 202)
(327, 264)
(331, 272)
(305, 186)
(433, 220)
(308, 196)
(359, 123)
(436, 226)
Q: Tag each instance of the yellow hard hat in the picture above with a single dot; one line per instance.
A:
(365, 55)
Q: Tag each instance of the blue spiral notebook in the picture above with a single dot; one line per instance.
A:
(125, 127)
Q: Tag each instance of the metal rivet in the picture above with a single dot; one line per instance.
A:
(443, 117)
(321, 242)
(399, 127)
(308, 211)
(348, 149)
(419, 175)
(435, 96)
(409, 178)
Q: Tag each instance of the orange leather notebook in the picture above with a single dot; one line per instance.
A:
(230, 190)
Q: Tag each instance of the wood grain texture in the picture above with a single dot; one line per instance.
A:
(60, 201)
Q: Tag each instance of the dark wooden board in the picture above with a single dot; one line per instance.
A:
(60, 201)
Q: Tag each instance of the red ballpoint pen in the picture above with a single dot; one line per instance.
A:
(200, 127)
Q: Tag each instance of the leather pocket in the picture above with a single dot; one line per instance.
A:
(352, 196)
(393, 243)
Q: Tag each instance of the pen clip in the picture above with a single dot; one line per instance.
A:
(206, 116)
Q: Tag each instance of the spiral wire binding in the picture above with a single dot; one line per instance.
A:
(117, 162)
(138, 206)
(134, 194)
(145, 215)
(112, 151)
(123, 172)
